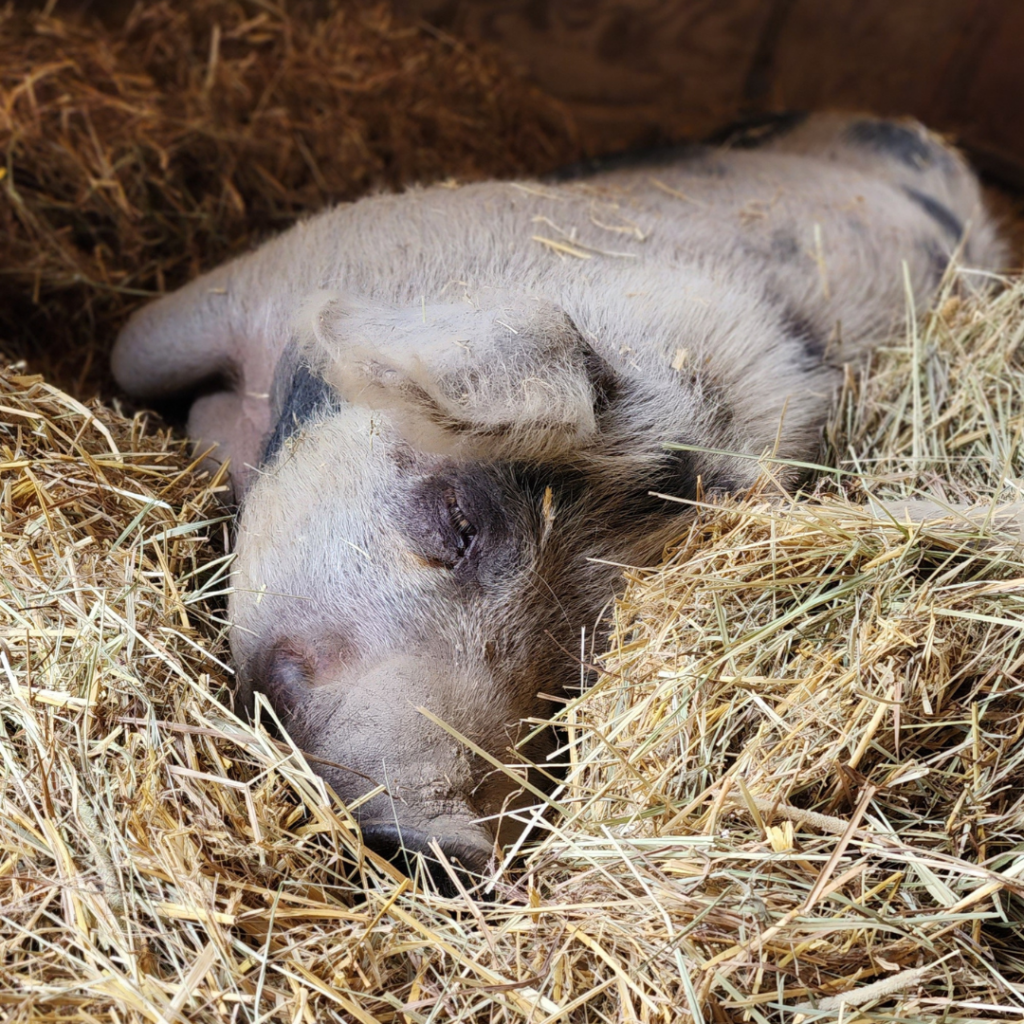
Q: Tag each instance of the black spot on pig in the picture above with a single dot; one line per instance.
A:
(309, 397)
(603, 380)
(906, 144)
(676, 475)
(630, 159)
(939, 212)
(811, 340)
(938, 260)
(783, 247)
(749, 133)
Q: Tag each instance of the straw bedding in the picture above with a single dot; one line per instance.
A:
(795, 793)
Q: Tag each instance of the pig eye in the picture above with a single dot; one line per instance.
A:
(446, 523)
(462, 529)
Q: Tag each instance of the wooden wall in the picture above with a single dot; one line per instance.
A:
(635, 70)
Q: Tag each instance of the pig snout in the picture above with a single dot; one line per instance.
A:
(415, 852)
(367, 731)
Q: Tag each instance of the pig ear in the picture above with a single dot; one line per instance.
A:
(514, 380)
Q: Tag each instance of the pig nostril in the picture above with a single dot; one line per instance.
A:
(410, 851)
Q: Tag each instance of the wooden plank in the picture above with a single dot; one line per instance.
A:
(634, 71)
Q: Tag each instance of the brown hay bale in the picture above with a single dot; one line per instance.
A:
(133, 158)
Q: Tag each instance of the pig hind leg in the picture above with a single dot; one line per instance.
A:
(931, 174)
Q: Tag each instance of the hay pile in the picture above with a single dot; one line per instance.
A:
(804, 762)
(796, 794)
(133, 158)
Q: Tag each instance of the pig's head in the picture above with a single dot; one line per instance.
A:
(429, 531)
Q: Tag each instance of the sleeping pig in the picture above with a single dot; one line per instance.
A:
(446, 414)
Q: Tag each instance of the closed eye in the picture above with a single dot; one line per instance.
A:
(451, 524)
(463, 531)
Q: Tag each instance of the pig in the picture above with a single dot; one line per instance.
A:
(446, 413)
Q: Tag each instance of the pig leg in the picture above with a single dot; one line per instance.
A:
(930, 173)
(213, 338)
(228, 426)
